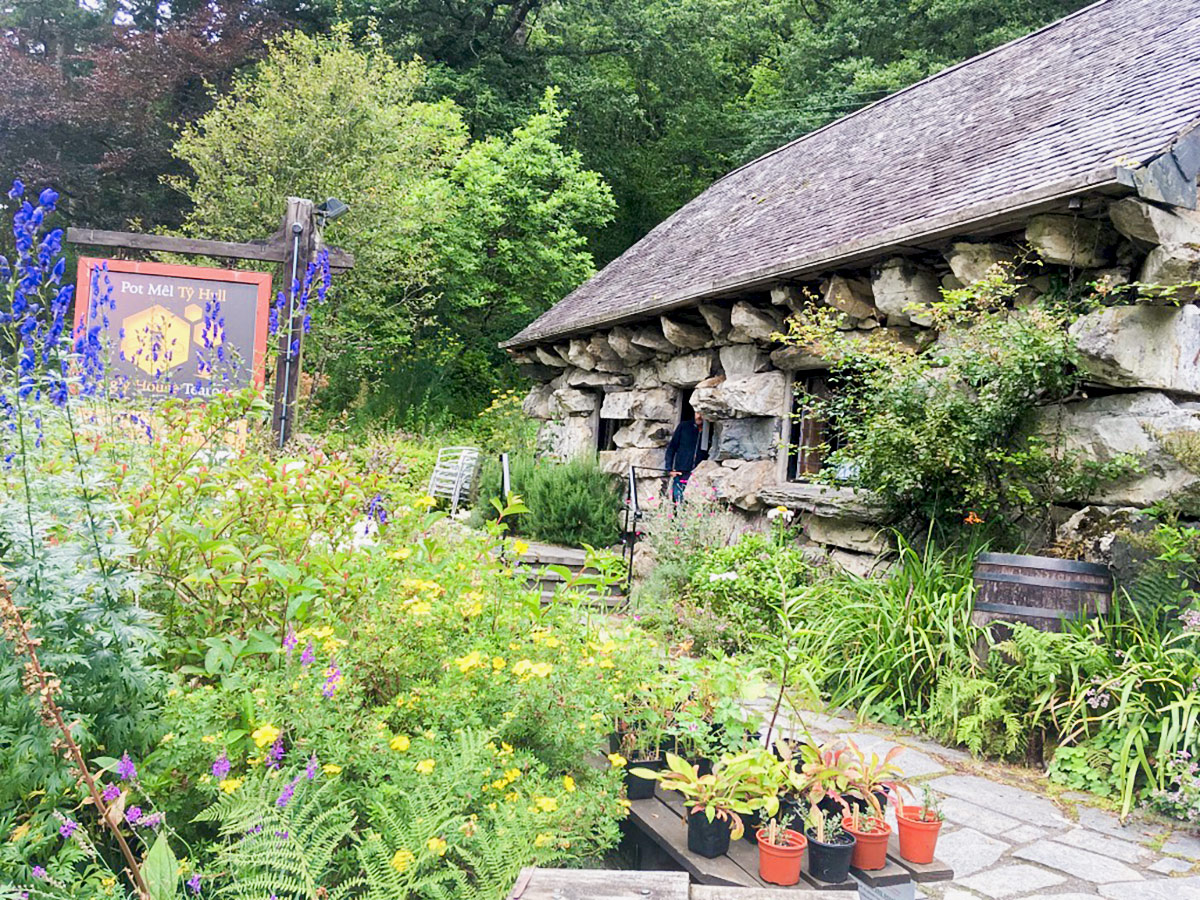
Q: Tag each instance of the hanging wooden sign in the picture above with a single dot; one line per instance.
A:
(186, 331)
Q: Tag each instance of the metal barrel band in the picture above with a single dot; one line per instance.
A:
(1034, 581)
(1035, 612)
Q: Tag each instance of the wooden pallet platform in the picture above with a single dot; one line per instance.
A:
(660, 820)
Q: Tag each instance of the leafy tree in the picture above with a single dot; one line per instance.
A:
(455, 243)
(88, 102)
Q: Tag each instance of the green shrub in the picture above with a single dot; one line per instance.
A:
(571, 503)
(736, 591)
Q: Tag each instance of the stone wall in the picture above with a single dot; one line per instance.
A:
(1142, 359)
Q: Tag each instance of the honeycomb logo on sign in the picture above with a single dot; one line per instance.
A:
(180, 330)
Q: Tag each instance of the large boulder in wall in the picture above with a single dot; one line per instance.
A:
(652, 403)
(1159, 431)
(643, 433)
(974, 262)
(738, 396)
(743, 359)
(751, 438)
(1171, 235)
(684, 335)
(903, 289)
(736, 482)
(754, 323)
(687, 369)
(571, 402)
(566, 438)
(1141, 346)
(620, 339)
(536, 404)
(1071, 240)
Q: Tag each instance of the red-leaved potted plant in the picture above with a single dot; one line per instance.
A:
(780, 853)
(918, 828)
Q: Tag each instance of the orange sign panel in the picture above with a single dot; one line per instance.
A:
(187, 331)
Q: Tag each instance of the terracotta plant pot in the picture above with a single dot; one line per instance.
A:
(870, 847)
(830, 862)
(641, 788)
(918, 838)
(780, 863)
(707, 838)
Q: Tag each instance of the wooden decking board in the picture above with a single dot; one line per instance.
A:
(550, 884)
(921, 873)
(890, 874)
(664, 825)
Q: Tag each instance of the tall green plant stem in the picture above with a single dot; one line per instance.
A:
(85, 492)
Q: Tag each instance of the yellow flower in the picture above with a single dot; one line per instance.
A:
(498, 663)
(400, 743)
(499, 784)
(568, 784)
(420, 609)
(19, 832)
(209, 738)
(331, 769)
(402, 859)
(108, 883)
(473, 660)
(425, 767)
(545, 804)
(168, 737)
(264, 734)
(473, 610)
(605, 663)
(625, 803)
(543, 839)
(436, 845)
(526, 668)
(400, 555)
(229, 785)
(505, 748)
(425, 502)
(608, 647)
(520, 547)
(512, 774)
(616, 760)
(512, 797)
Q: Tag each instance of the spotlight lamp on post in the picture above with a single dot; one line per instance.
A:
(329, 210)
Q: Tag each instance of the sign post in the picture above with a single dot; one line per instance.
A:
(294, 245)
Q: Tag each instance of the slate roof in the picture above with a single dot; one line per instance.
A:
(1044, 116)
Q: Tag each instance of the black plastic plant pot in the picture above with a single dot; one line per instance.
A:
(752, 821)
(706, 838)
(829, 863)
(794, 810)
(703, 766)
(641, 788)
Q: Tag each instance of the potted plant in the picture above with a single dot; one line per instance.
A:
(918, 828)
(870, 839)
(759, 777)
(641, 737)
(780, 853)
(710, 717)
(822, 778)
(830, 846)
(873, 780)
(713, 803)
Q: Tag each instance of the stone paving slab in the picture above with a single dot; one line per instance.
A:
(968, 851)
(1181, 844)
(1015, 802)
(1170, 866)
(1126, 851)
(1164, 889)
(1082, 864)
(981, 817)
(1023, 834)
(1011, 880)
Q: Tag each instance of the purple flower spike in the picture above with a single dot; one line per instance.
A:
(333, 677)
(111, 793)
(220, 766)
(285, 796)
(310, 770)
(193, 883)
(309, 656)
(18, 190)
(68, 827)
(133, 814)
(126, 770)
(275, 754)
(38, 871)
(290, 640)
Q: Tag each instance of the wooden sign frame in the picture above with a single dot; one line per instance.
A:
(261, 281)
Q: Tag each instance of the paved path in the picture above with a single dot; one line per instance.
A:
(1008, 836)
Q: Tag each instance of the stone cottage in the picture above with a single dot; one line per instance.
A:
(1080, 141)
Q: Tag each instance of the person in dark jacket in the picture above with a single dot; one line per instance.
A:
(684, 453)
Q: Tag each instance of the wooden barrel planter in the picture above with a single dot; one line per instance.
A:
(1038, 590)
